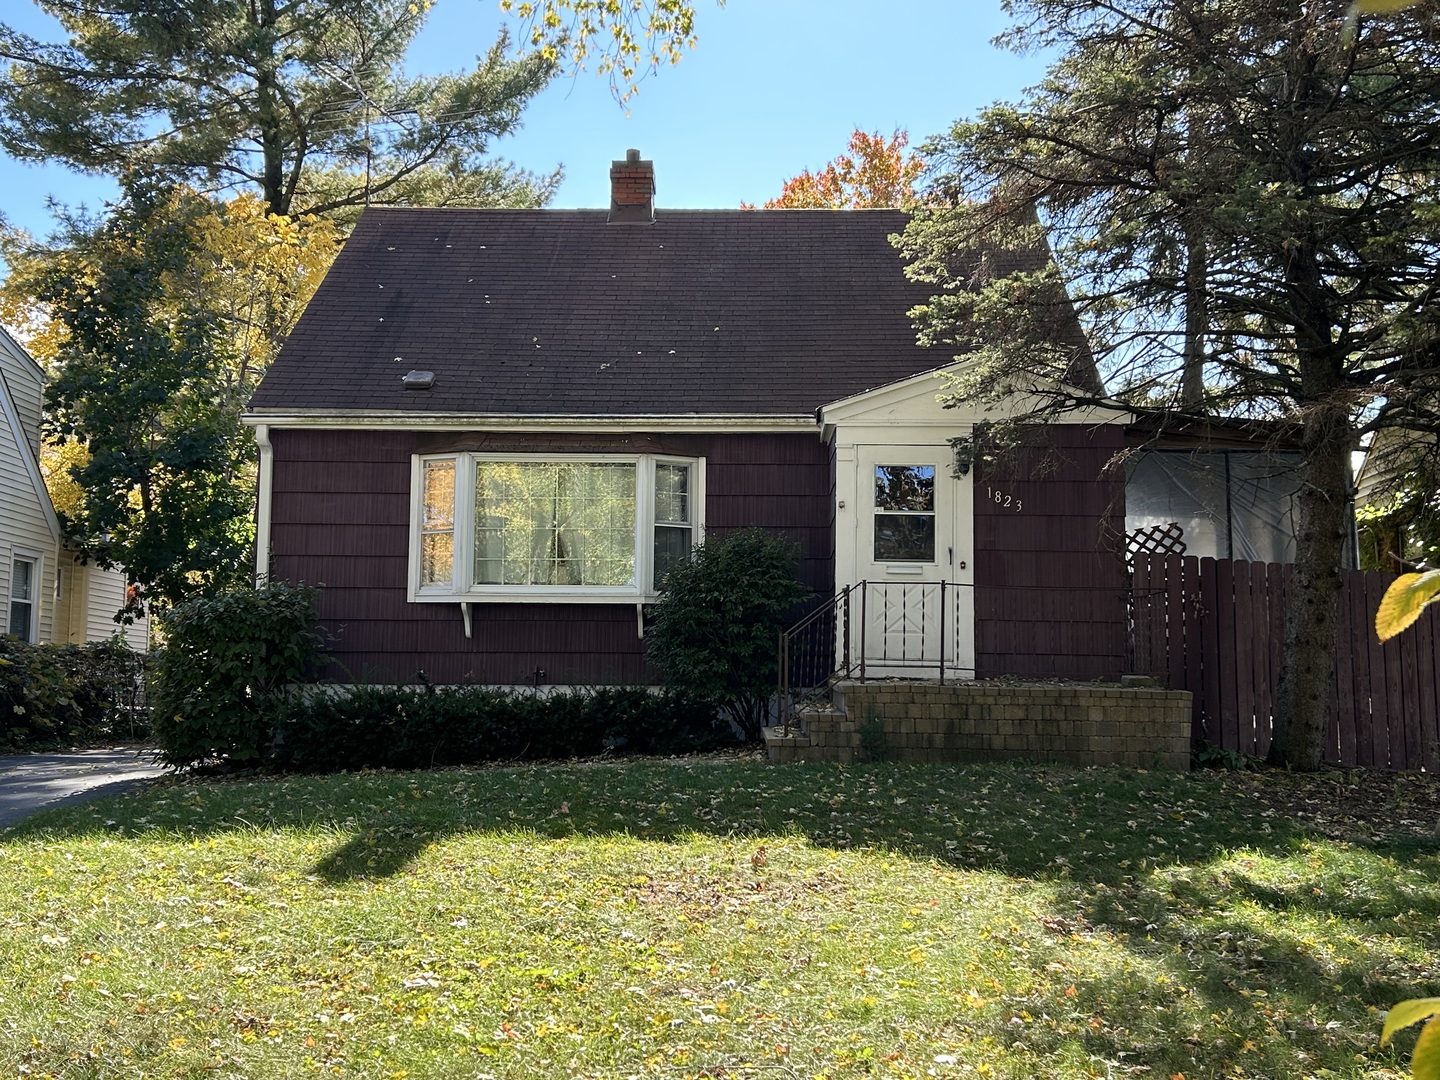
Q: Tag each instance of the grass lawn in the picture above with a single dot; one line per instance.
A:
(723, 918)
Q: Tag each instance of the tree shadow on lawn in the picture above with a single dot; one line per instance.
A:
(1205, 880)
(1223, 885)
(1086, 826)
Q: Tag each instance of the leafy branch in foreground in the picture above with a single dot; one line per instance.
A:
(1405, 601)
(625, 41)
(1425, 1061)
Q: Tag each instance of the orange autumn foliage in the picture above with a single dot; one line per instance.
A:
(875, 173)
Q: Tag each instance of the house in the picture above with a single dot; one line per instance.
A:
(52, 594)
(492, 431)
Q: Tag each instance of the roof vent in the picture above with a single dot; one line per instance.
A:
(632, 189)
(415, 379)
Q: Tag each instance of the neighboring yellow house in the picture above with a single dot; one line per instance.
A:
(49, 594)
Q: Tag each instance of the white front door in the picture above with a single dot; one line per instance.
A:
(914, 551)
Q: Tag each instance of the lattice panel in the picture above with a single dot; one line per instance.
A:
(1167, 539)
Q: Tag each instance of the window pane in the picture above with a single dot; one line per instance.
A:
(672, 545)
(904, 538)
(20, 619)
(542, 523)
(439, 495)
(437, 558)
(905, 487)
(672, 494)
(437, 529)
(22, 580)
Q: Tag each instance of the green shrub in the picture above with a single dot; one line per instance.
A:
(110, 688)
(421, 727)
(1209, 755)
(718, 620)
(228, 671)
(60, 695)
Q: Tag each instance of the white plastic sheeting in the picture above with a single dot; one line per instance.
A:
(1231, 504)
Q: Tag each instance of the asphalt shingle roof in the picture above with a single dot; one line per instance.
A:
(558, 313)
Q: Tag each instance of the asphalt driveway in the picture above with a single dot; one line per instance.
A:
(31, 782)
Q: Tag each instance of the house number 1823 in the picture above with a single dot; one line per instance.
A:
(1002, 499)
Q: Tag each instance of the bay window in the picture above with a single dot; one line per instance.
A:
(522, 527)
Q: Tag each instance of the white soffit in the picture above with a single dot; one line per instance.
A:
(915, 401)
(370, 421)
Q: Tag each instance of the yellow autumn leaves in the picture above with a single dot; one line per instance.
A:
(625, 38)
(1425, 1061)
(254, 269)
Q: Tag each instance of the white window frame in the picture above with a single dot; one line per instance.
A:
(37, 577)
(642, 591)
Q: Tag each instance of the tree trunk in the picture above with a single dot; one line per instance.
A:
(1197, 318)
(272, 143)
(1302, 700)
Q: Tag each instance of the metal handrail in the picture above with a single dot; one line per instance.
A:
(825, 611)
(826, 634)
(828, 630)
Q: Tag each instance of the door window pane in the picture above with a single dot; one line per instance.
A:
(905, 487)
(904, 537)
(904, 513)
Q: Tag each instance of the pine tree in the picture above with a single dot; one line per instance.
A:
(1260, 180)
(305, 100)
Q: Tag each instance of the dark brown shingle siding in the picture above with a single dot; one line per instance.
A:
(1050, 587)
(341, 511)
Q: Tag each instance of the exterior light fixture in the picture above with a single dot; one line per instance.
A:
(962, 448)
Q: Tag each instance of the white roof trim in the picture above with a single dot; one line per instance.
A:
(866, 397)
(599, 424)
(27, 458)
(927, 387)
(24, 354)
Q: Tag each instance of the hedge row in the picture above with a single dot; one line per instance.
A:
(426, 727)
(64, 695)
(231, 687)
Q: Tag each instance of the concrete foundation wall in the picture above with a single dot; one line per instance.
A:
(925, 721)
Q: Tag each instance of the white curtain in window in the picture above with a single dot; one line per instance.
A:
(544, 523)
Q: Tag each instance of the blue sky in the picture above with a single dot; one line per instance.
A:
(774, 87)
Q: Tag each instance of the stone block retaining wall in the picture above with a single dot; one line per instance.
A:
(925, 721)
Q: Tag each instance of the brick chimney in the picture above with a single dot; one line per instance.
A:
(632, 189)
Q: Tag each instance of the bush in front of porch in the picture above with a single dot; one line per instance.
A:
(718, 620)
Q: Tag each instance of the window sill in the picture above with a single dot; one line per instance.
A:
(536, 595)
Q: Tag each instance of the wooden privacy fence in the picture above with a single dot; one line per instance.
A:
(1215, 627)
